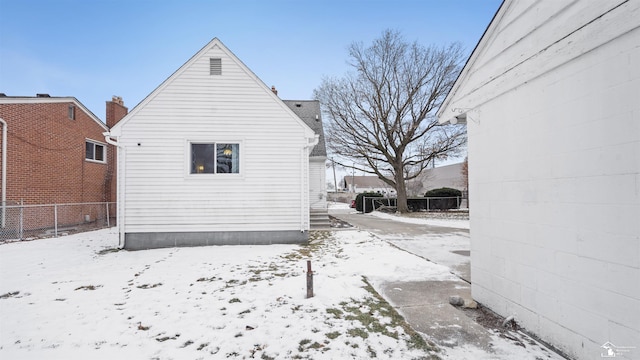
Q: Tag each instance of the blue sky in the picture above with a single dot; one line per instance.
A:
(93, 49)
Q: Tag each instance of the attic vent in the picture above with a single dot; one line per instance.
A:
(215, 66)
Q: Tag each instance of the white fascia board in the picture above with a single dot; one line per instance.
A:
(445, 112)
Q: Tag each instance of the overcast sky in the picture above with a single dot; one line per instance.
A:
(93, 49)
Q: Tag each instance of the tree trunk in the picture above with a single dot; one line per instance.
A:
(401, 192)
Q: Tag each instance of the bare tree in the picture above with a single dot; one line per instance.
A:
(382, 115)
(464, 171)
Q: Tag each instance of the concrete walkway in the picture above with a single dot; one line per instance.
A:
(425, 304)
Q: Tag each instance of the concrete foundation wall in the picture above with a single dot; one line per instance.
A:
(142, 241)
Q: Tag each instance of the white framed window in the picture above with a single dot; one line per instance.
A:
(214, 158)
(95, 151)
(72, 112)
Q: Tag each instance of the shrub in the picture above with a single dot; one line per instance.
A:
(369, 206)
(443, 204)
(443, 192)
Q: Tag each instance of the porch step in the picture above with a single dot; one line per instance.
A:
(319, 219)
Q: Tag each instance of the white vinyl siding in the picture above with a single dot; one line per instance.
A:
(161, 195)
(317, 183)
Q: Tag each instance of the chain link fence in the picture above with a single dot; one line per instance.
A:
(24, 222)
(414, 203)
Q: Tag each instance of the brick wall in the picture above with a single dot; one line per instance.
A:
(46, 154)
(115, 112)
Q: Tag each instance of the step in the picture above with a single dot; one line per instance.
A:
(319, 219)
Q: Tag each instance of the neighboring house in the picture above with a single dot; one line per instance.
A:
(551, 99)
(449, 176)
(55, 152)
(361, 184)
(212, 156)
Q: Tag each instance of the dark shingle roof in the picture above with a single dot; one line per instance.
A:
(309, 112)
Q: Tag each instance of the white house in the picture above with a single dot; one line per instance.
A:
(309, 112)
(443, 176)
(212, 156)
(551, 98)
(362, 184)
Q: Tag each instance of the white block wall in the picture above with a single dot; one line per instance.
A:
(554, 170)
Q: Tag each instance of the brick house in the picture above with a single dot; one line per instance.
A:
(55, 151)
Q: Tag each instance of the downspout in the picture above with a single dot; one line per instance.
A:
(304, 190)
(4, 170)
(119, 186)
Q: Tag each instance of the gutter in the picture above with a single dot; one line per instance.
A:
(108, 138)
(4, 172)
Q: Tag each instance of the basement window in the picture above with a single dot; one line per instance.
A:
(215, 66)
(215, 158)
(72, 112)
(94, 151)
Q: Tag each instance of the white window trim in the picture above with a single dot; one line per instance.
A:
(187, 159)
(95, 142)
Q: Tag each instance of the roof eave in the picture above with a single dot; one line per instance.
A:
(440, 114)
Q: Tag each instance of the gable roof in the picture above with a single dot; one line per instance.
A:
(46, 99)
(202, 52)
(309, 112)
(443, 176)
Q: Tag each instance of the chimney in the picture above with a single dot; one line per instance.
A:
(273, 88)
(115, 111)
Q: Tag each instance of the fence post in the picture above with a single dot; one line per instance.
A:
(428, 208)
(55, 220)
(107, 206)
(21, 217)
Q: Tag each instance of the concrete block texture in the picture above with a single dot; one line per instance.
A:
(554, 173)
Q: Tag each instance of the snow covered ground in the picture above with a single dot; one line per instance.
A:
(77, 297)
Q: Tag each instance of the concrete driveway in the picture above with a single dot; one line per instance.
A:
(442, 245)
(425, 304)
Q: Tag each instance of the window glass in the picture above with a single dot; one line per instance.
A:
(227, 158)
(89, 150)
(99, 152)
(202, 158)
(94, 151)
(215, 158)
